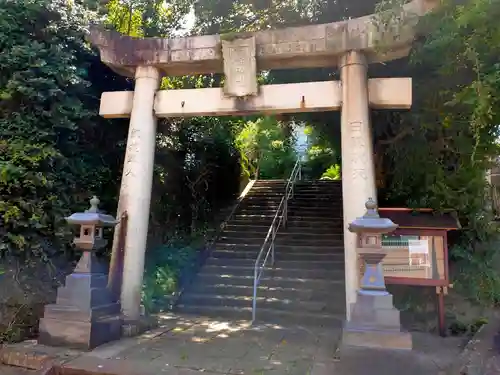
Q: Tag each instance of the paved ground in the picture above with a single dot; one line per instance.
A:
(188, 346)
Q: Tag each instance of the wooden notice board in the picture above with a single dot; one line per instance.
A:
(418, 250)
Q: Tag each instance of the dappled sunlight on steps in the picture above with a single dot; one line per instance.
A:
(307, 284)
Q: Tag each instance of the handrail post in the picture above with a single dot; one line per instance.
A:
(285, 214)
(272, 245)
(254, 302)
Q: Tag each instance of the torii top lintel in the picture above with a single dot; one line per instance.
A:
(295, 47)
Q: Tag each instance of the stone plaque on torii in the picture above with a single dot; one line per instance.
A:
(240, 67)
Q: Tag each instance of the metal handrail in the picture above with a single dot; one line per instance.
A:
(280, 218)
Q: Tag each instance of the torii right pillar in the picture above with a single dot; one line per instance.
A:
(358, 171)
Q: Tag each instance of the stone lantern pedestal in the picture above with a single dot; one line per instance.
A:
(85, 315)
(375, 322)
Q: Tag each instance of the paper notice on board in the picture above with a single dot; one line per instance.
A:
(418, 246)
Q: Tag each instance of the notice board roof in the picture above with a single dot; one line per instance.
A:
(421, 218)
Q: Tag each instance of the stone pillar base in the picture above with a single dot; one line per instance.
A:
(84, 315)
(375, 323)
(377, 339)
(132, 328)
(79, 335)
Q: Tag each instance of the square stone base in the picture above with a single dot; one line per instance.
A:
(375, 323)
(377, 339)
(80, 335)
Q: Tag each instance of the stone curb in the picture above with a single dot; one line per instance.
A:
(43, 364)
(479, 351)
(27, 359)
(76, 362)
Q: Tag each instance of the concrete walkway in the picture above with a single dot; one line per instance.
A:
(188, 346)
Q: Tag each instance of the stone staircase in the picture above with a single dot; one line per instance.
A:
(305, 287)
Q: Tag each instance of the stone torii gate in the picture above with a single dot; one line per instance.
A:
(349, 45)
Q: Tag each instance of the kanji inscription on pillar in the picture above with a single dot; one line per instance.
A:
(240, 67)
(358, 151)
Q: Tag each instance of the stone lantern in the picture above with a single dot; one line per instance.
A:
(374, 322)
(84, 315)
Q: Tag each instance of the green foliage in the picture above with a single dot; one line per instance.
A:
(477, 273)
(442, 163)
(233, 16)
(319, 159)
(143, 18)
(332, 173)
(164, 267)
(34, 214)
(320, 154)
(42, 115)
(265, 149)
(438, 155)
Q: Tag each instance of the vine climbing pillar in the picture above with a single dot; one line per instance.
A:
(358, 172)
(136, 185)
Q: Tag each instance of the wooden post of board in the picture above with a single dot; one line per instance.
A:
(441, 291)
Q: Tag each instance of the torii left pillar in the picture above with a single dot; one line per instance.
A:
(136, 185)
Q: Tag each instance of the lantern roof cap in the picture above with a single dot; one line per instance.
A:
(92, 216)
(371, 222)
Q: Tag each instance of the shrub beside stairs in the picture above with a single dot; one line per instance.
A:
(306, 285)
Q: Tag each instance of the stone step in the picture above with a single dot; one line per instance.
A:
(264, 201)
(299, 186)
(270, 282)
(291, 222)
(283, 233)
(334, 212)
(315, 215)
(315, 204)
(305, 204)
(337, 264)
(268, 211)
(297, 194)
(256, 218)
(304, 256)
(290, 229)
(282, 293)
(280, 249)
(277, 271)
(309, 193)
(328, 305)
(301, 181)
(281, 240)
(274, 187)
(306, 194)
(308, 214)
(315, 212)
(319, 184)
(281, 317)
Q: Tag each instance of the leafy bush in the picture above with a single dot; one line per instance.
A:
(332, 173)
(266, 151)
(44, 114)
(476, 273)
(164, 267)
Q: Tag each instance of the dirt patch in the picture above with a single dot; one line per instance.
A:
(25, 288)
